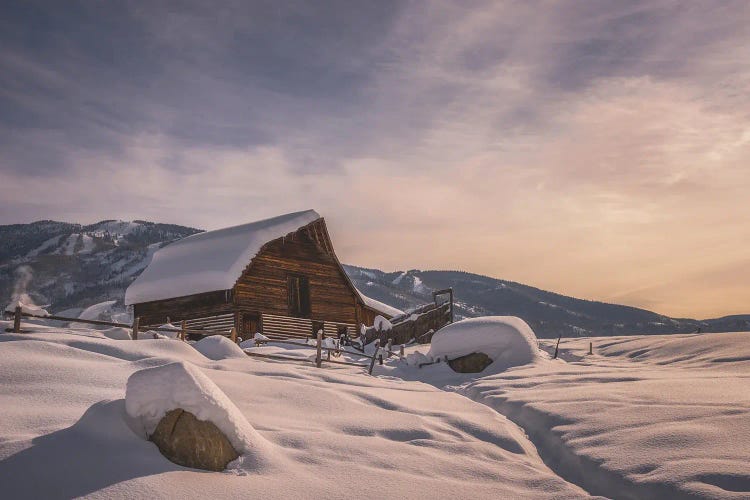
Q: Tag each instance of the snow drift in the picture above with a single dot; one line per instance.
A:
(217, 348)
(153, 392)
(507, 340)
(27, 307)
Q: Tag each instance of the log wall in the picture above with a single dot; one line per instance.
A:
(262, 288)
(184, 308)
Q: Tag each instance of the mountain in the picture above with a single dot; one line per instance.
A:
(70, 267)
(549, 314)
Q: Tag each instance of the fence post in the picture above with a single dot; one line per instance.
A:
(402, 350)
(136, 324)
(591, 348)
(233, 335)
(17, 320)
(183, 333)
(372, 361)
(557, 346)
(388, 348)
(318, 358)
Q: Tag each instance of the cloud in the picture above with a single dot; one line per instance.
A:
(595, 149)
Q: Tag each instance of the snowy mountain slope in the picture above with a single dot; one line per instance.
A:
(548, 313)
(71, 267)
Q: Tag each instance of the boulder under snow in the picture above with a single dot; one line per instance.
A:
(155, 393)
(507, 340)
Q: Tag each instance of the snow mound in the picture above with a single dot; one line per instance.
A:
(27, 307)
(381, 324)
(217, 347)
(508, 340)
(116, 333)
(153, 392)
(173, 331)
(100, 311)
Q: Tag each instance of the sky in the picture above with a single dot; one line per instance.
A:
(597, 149)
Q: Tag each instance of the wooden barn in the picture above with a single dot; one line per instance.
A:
(278, 276)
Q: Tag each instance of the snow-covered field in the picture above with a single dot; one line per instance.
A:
(332, 433)
(643, 417)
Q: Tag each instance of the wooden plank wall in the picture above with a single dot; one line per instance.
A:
(285, 327)
(191, 307)
(367, 315)
(263, 286)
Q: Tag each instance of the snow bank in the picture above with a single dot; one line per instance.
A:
(655, 416)
(153, 392)
(116, 333)
(508, 340)
(173, 331)
(61, 397)
(380, 306)
(381, 324)
(26, 307)
(100, 311)
(217, 347)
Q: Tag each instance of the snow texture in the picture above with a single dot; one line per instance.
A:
(218, 347)
(334, 432)
(153, 392)
(663, 416)
(97, 311)
(117, 333)
(26, 307)
(508, 340)
(170, 331)
(379, 306)
(210, 261)
(381, 324)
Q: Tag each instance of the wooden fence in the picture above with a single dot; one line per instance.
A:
(135, 328)
(418, 324)
(184, 331)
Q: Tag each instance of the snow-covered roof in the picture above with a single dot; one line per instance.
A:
(379, 306)
(210, 261)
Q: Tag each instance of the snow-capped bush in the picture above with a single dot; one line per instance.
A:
(507, 340)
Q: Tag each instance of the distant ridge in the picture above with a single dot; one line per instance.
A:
(73, 266)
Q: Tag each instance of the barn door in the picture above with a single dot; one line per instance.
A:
(250, 324)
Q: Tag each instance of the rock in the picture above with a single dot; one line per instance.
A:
(471, 363)
(185, 440)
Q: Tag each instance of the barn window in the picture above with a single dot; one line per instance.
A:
(299, 296)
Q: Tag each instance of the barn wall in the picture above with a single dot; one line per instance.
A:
(263, 286)
(367, 315)
(189, 307)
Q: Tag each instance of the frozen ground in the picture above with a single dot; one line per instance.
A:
(642, 417)
(334, 432)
